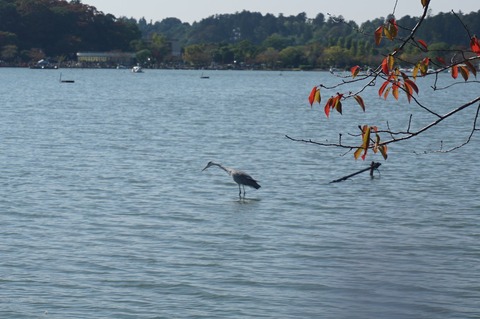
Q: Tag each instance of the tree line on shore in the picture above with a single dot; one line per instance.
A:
(34, 29)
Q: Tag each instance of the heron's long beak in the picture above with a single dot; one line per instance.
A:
(205, 168)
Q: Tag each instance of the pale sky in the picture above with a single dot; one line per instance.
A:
(196, 10)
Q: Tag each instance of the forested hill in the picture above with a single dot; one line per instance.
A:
(256, 28)
(30, 29)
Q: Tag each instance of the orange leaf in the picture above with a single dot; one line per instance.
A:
(355, 71)
(329, 106)
(475, 45)
(385, 66)
(357, 153)
(378, 35)
(423, 44)
(360, 101)
(455, 71)
(387, 91)
(383, 151)
(425, 3)
(395, 91)
(391, 61)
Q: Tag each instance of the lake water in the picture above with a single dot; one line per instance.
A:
(105, 211)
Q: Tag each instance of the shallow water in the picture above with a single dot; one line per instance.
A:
(105, 211)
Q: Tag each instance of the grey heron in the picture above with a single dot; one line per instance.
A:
(241, 178)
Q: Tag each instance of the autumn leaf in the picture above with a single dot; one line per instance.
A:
(391, 30)
(387, 91)
(412, 84)
(423, 44)
(425, 3)
(328, 106)
(455, 71)
(382, 88)
(378, 35)
(475, 45)
(471, 68)
(357, 153)
(388, 63)
(464, 72)
(383, 151)
(441, 60)
(337, 104)
(338, 107)
(355, 70)
(365, 140)
(317, 98)
(311, 97)
(395, 90)
(360, 101)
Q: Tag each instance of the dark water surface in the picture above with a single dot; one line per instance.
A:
(105, 212)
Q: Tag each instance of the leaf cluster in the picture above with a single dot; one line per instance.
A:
(395, 81)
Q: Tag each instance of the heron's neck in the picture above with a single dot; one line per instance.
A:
(226, 169)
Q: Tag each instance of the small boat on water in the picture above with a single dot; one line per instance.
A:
(44, 65)
(204, 76)
(137, 69)
(65, 81)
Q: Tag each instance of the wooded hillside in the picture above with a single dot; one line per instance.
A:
(33, 29)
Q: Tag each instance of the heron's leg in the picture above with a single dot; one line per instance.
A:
(239, 191)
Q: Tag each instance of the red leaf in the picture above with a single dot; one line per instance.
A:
(412, 84)
(423, 44)
(311, 97)
(441, 60)
(382, 88)
(378, 35)
(328, 106)
(474, 45)
(354, 70)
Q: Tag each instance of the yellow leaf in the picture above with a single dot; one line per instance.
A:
(317, 97)
(391, 62)
(366, 136)
(357, 153)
